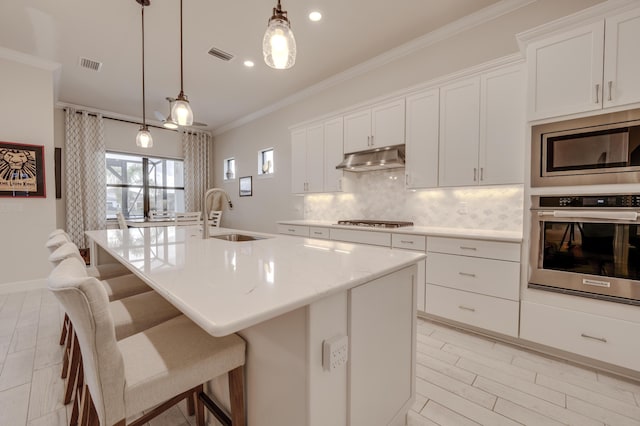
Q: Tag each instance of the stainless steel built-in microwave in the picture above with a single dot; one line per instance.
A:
(603, 149)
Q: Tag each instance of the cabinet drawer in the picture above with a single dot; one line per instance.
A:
(362, 237)
(484, 276)
(476, 248)
(299, 230)
(486, 312)
(604, 339)
(409, 242)
(316, 232)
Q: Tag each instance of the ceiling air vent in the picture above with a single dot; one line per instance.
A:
(220, 54)
(90, 64)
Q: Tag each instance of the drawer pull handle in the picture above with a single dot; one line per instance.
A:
(406, 242)
(317, 233)
(291, 230)
(466, 308)
(599, 339)
(468, 248)
(466, 274)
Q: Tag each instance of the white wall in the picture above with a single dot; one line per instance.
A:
(26, 116)
(272, 200)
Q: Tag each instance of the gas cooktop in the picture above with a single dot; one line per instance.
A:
(375, 223)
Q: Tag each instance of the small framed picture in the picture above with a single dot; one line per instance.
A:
(21, 170)
(245, 186)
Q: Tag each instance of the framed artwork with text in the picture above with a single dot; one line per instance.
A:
(21, 170)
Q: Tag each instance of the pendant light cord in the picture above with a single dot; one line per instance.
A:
(181, 66)
(144, 117)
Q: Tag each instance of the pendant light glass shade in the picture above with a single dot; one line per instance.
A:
(144, 139)
(278, 44)
(181, 111)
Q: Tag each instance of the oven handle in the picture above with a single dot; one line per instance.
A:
(589, 214)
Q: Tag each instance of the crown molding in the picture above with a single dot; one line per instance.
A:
(484, 15)
(569, 22)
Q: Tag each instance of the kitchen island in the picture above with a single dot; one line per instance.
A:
(287, 297)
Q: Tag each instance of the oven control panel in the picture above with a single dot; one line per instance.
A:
(591, 201)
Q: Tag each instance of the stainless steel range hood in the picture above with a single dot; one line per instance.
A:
(390, 157)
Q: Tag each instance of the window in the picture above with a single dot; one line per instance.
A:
(265, 162)
(137, 185)
(229, 169)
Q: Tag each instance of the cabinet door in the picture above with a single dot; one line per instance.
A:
(333, 154)
(565, 72)
(315, 158)
(423, 116)
(387, 124)
(357, 131)
(502, 132)
(298, 160)
(459, 133)
(621, 59)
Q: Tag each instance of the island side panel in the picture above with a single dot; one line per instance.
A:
(382, 337)
(275, 372)
(327, 389)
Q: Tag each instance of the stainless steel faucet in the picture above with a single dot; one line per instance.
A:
(205, 231)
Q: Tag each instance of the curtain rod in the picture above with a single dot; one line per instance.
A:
(94, 114)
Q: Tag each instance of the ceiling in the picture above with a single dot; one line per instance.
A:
(350, 32)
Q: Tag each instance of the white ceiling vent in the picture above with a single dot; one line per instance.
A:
(90, 64)
(220, 54)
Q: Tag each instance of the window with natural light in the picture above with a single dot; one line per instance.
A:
(137, 185)
(265, 162)
(229, 169)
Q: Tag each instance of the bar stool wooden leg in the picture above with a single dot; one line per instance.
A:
(65, 327)
(67, 352)
(73, 370)
(191, 401)
(236, 394)
(199, 406)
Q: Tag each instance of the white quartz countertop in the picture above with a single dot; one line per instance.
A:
(476, 234)
(226, 286)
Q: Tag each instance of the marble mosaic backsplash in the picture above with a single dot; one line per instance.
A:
(381, 195)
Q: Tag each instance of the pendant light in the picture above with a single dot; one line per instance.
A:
(278, 44)
(143, 139)
(181, 110)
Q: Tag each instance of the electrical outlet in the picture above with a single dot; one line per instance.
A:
(335, 352)
(462, 208)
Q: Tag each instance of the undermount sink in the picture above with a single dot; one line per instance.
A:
(237, 237)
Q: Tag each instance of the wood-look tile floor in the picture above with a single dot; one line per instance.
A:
(462, 379)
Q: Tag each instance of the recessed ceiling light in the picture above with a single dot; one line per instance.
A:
(315, 16)
(248, 63)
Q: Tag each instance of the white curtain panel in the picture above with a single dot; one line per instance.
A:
(85, 174)
(198, 149)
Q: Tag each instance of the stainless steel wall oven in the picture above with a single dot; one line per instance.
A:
(603, 149)
(587, 246)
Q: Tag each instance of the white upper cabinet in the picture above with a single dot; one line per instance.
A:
(565, 72)
(621, 59)
(422, 128)
(333, 154)
(315, 152)
(459, 132)
(374, 127)
(502, 126)
(482, 130)
(307, 155)
(586, 69)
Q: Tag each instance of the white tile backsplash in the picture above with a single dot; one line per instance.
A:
(381, 195)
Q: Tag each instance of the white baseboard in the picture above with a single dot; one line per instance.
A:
(17, 287)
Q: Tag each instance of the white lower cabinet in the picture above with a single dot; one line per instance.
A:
(361, 237)
(474, 282)
(491, 313)
(602, 338)
(299, 230)
(319, 232)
